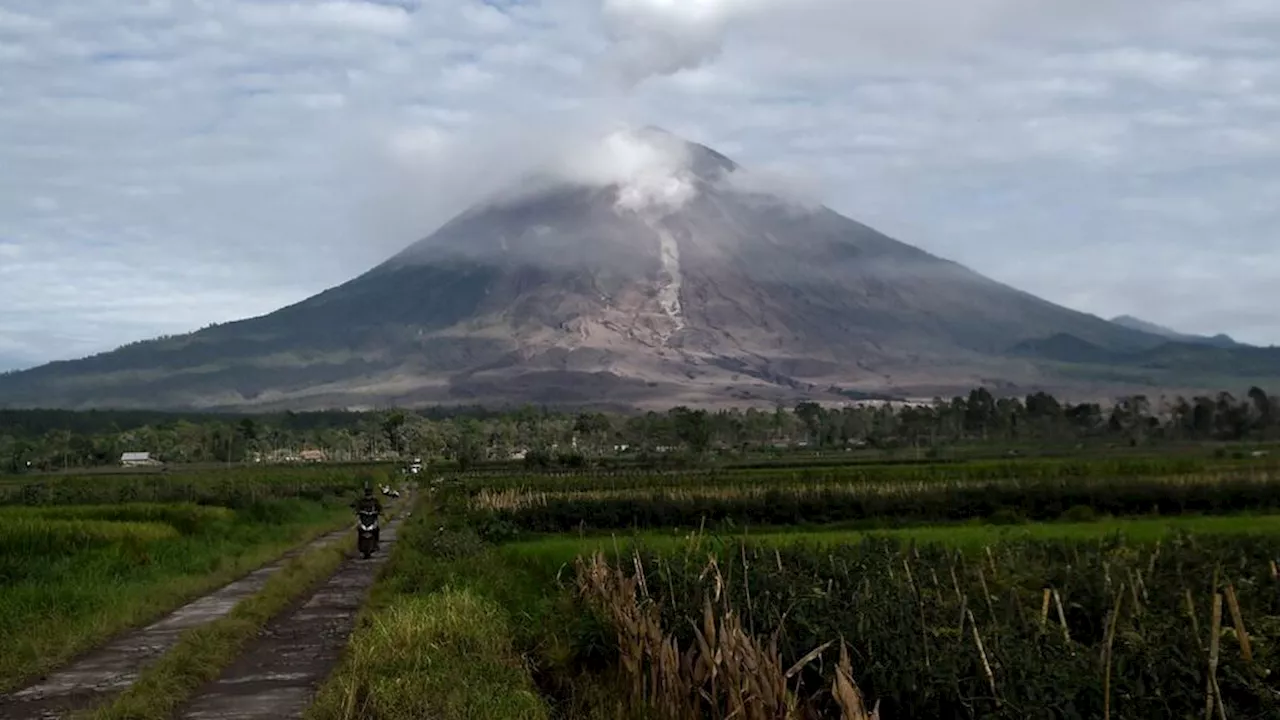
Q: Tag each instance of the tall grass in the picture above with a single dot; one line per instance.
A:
(204, 651)
(725, 672)
(882, 503)
(185, 517)
(233, 488)
(1012, 631)
(945, 472)
(35, 537)
(82, 579)
(444, 655)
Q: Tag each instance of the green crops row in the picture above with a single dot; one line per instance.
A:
(1038, 629)
(879, 505)
(975, 471)
(236, 488)
(185, 517)
(37, 537)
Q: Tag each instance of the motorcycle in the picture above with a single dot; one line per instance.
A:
(367, 529)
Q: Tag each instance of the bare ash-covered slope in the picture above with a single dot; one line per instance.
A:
(670, 278)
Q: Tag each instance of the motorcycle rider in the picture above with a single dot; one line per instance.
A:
(369, 504)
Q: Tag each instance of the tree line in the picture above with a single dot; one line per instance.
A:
(49, 439)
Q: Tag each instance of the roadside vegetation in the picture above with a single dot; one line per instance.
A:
(204, 651)
(74, 575)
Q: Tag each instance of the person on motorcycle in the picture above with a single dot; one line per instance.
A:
(369, 504)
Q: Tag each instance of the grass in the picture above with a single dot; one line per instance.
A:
(32, 536)
(79, 581)
(455, 611)
(202, 652)
(444, 655)
(427, 646)
(564, 549)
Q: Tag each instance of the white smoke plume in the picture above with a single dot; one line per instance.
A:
(423, 176)
(661, 37)
(650, 169)
(651, 38)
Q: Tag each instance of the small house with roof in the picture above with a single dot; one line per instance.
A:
(138, 459)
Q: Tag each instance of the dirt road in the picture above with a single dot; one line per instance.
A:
(278, 674)
(114, 666)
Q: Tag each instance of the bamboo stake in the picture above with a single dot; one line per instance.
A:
(986, 665)
(1044, 608)
(994, 573)
(1191, 611)
(1062, 616)
(1213, 694)
(1246, 649)
(986, 594)
(1106, 653)
(924, 633)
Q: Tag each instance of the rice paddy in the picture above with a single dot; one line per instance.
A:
(78, 565)
(1111, 587)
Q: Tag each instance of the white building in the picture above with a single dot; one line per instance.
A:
(137, 459)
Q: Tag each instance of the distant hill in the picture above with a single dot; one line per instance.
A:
(681, 283)
(1133, 323)
(1175, 362)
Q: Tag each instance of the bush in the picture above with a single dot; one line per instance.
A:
(1006, 516)
(1079, 514)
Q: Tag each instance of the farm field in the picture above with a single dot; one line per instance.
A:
(968, 536)
(82, 559)
(1120, 588)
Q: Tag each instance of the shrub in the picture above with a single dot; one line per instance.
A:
(1080, 514)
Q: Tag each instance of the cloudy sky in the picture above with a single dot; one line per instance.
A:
(165, 164)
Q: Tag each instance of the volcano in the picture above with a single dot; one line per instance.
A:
(675, 277)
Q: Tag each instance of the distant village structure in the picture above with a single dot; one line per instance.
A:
(138, 459)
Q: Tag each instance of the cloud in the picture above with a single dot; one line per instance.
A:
(663, 37)
(171, 164)
(336, 15)
(652, 170)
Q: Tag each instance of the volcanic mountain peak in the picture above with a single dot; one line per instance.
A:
(639, 270)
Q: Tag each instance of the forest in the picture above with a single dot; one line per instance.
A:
(50, 440)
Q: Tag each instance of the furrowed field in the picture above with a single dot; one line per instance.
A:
(83, 558)
(1110, 587)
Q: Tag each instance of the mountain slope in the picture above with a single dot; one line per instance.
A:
(1133, 323)
(664, 275)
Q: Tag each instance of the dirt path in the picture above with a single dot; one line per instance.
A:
(116, 665)
(277, 676)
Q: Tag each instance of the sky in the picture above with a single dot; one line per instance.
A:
(167, 164)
